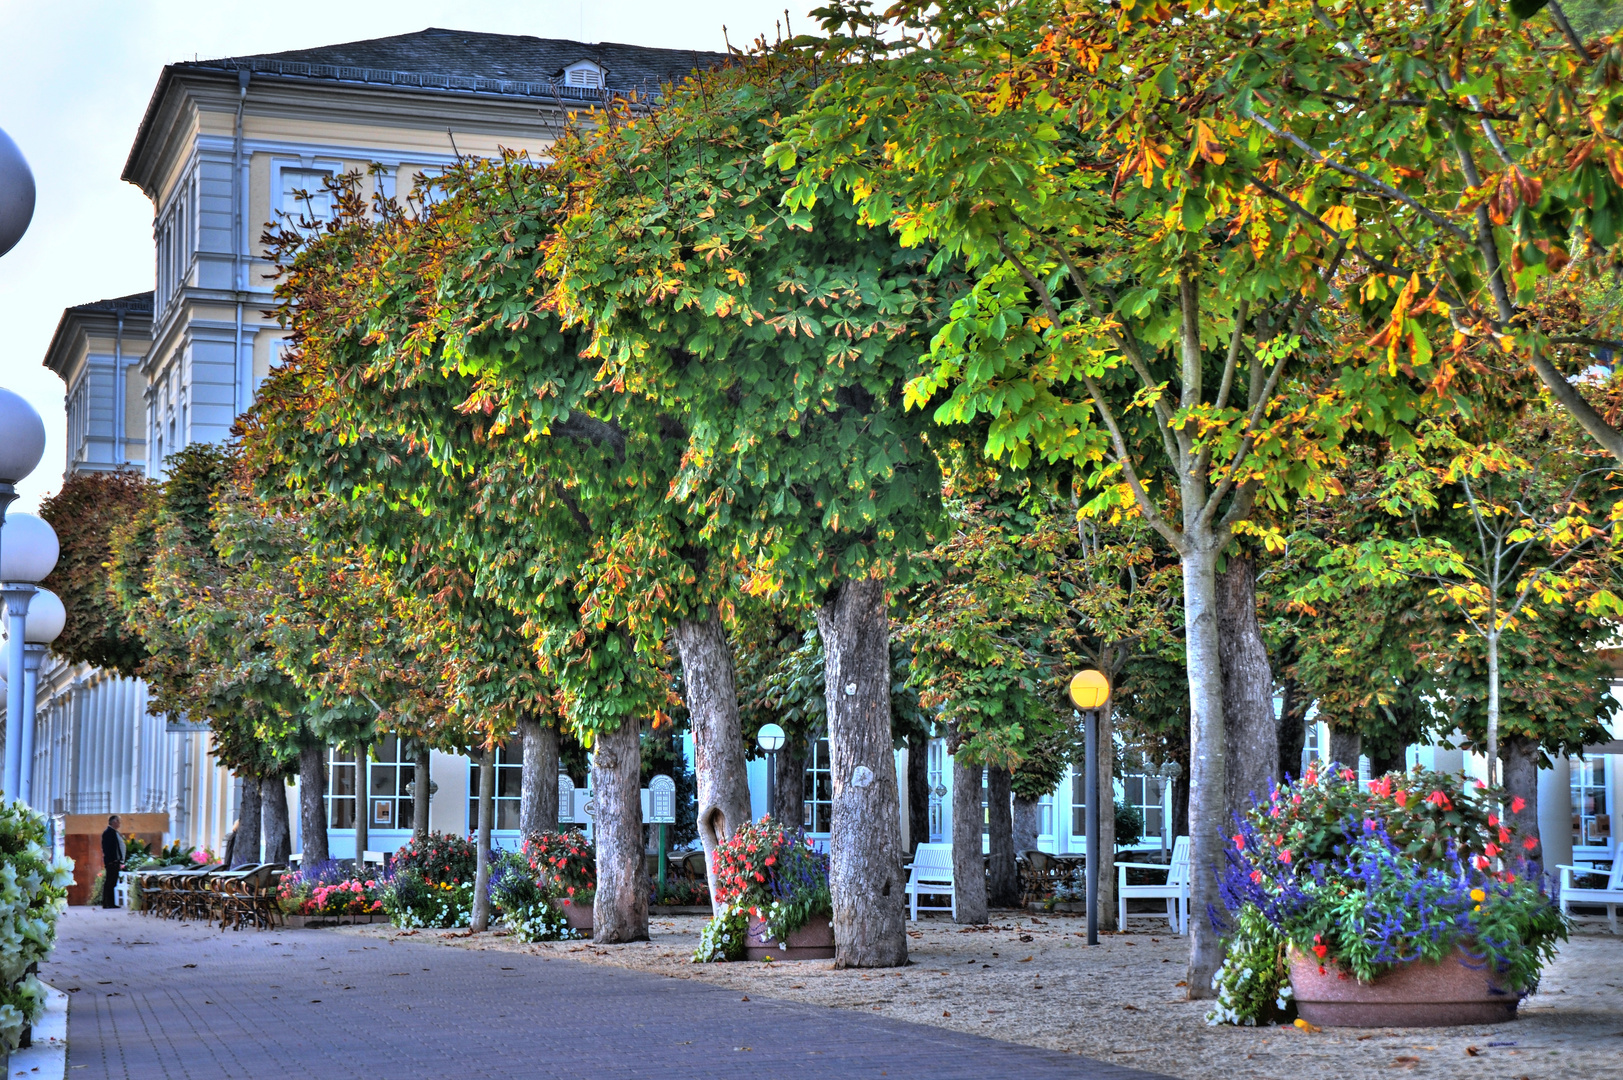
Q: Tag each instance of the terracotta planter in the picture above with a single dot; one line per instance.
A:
(578, 916)
(1422, 994)
(814, 941)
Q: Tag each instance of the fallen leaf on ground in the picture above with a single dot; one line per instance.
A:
(1305, 1026)
(1027, 960)
(1404, 1061)
(1471, 1051)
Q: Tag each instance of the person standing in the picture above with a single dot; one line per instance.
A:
(112, 857)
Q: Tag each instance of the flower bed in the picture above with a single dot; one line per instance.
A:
(441, 858)
(1367, 881)
(772, 876)
(524, 901)
(329, 888)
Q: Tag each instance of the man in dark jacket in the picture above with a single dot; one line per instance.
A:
(112, 857)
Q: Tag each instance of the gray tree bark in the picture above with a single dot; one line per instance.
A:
(1207, 769)
(363, 808)
(273, 813)
(1250, 728)
(1107, 819)
(968, 863)
(1292, 728)
(719, 767)
(422, 787)
(1346, 747)
(1521, 781)
(790, 788)
(245, 842)
(865, 842)
(1025, 824)
(1004, 876)
(538, 795)
(487, 811)
(313, 804)
(918, 791)
(620, 912)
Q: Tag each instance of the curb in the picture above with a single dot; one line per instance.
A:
(47, 1059)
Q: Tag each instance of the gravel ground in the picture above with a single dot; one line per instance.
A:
(1033, 980)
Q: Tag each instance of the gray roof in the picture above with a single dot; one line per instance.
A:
(136, 304)
(504, 64)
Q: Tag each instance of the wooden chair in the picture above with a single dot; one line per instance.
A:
(1609, 896)
(1039, 874)
(1175, 891)
(930, 874)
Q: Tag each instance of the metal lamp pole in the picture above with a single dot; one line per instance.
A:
(46, 619)
(1090, 691)
(771, 739)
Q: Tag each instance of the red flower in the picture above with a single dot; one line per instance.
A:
(1239, 842)
(1504, 836)
(1319, 948)
(1256, 875)
(1439, 799)
(1530, 843)
(1518, 804)
(1481, 862)
(1492, 850)
(1401, 798)
(1285, 856)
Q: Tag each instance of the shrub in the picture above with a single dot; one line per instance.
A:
(764, 871)
(412, 901)
(565, 863)
(439, 858)
(33, 895)
(1366, 880)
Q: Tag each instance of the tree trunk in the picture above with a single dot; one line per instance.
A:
(487, 811)
(273, 813)
(1292, 728)
(1107, 819)
(620, 913)
(1250, 728)
(313, 804)
(245, 846)
(1025, 824)
(1004, 885)
(790, 787)
(1383, 764)
(918, 791)
(1346, 747)
(1521, 782)
(538, 796)
(719, 768)
(422, 788)
(363, 791)
(1179, 825)
(1207, 772)
(968, 864)
(865, 842)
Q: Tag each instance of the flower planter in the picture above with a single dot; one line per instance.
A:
(814, 941)
(578, 916)
(1425, 993)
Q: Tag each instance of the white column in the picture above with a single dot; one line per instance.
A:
(1555, 814)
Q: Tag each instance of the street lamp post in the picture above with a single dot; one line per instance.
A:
(771, 739)
(1090, 690)
(28, 553)
(46, 618)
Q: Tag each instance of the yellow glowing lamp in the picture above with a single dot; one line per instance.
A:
(1090, 689)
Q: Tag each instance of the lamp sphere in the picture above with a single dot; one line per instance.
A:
(1090, 689)
(46, 618)
(22, 435)
(770, 738)
(16, 194)
(28, 549)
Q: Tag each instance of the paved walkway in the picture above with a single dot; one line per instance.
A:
(165, 1001)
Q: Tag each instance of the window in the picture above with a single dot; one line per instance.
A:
(584, 73)
(1146, 794)
(304, 198)
(392, 765)
(1591, 816)
(820, 785)
(937, 767)
(509, 783)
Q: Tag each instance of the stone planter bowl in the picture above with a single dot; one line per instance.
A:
(814, 941)
(578, 916)
(1425, 993)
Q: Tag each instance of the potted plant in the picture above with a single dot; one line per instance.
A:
(566, 865)
(773, 889)
(1404, 902)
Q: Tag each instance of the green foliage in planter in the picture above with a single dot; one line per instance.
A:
(1254, 981)
(765, 871)
(33, 895)
(1129, 825)
(411, 902)
(441, 858)
(525, 903)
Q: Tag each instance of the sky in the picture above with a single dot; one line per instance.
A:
(75, 78)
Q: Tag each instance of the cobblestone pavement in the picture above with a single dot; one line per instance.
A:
(165, 1001)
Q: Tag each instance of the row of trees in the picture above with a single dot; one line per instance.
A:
(881, 378)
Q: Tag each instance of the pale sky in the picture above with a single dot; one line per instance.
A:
(74, 81)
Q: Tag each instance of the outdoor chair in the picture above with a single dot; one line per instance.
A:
(1610, 896)
(694, 866)
(930, 874)
(1039, 874)
(1175, 891)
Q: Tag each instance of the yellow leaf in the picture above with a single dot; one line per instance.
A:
(1341, 217)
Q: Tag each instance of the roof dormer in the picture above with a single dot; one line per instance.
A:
(585, 74)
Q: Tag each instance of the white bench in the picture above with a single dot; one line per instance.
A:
(1175, 891)
(930, 874)
(1610, 896)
